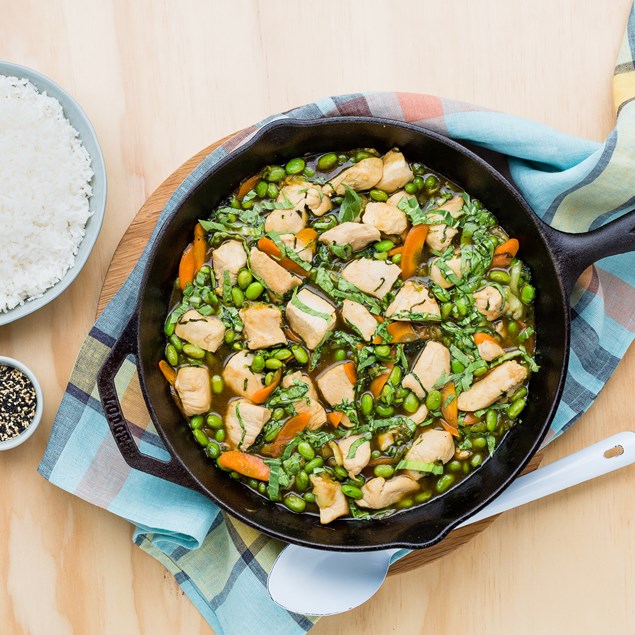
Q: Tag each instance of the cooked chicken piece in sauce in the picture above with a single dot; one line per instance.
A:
(375, 277)
(302, 194)
(336, 386)
(413, 297)
(356, 235)
(360, 318)
(284, 221)
(440, 236)
(489, 350)
(274, 276)
(193, 387)
(504, 378)
(438, 271)
(379, 492)
(387, 218)
(396, 172)
(432, 364)
(304, 248)
(262, 325)
(244, 422)
(230, 257)
(429, 447)
(362, 176)
(206, 332)
(361, 454)
(489, 302)
(239, 377)
(310, 316)
(329, 498)
(313, 407)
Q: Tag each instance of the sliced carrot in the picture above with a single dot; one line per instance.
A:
(470, 419)
(186, 267)
(247, 186)
(481, 337)
(168, 372)
(288, 431)
(413, 250)
(200, 247)
(449, 404)
(351, 372)
(271, 249)
(308, 235)
(395, 251)
(248, 465)
(401, 332)
(377, 385)
(448, 428)
(503, 254)
(335, 418)
(260, 396)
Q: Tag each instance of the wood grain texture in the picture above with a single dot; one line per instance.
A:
(162, 79)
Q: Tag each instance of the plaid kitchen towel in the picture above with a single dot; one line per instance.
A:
(221, 564)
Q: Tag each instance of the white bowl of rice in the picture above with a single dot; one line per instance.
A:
(52, 190)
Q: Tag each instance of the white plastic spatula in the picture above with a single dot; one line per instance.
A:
(318, 582)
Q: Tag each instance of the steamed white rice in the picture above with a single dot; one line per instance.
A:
(45, 179)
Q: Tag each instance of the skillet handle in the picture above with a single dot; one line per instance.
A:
(119, 426)
(575, 252)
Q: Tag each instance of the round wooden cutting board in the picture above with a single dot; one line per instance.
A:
(125, 257)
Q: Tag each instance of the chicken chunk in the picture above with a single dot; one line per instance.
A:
(336, 386)
(380, 492)
(192, 384)
(489, 302)
(262, 326)
(413, 297)
(274, 276)
(284, 221)
(239, 377)
(440, 236)
(432, 364)
(430, 447)
(396, 172)
(489, 350)
(304, 248)
(360, 318)
(356, 235)
(244, 421)
(310, 316)
(309, 402)
(230, 257)
(420, 414)
(506, 377)
(362, 176)
(438, 274)
(387, 218)
(375, 277)
(329, 498)
(206, 332)
(302, 194)
(355, 464)
(396, 198)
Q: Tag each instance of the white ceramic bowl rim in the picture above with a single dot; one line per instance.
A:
(97, 202)
(39, 407)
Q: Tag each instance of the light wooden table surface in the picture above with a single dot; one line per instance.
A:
(160, 80)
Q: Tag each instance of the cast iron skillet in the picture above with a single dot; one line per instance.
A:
(556, 260)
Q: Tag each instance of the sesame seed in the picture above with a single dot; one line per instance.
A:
(17, 402)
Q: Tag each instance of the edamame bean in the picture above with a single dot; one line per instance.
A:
(271, 434)
(269, 378)
(479, 427)
(491, 420)
(481, 370)
(456, 366)
(272, 190)
(479, 442)
(443, 483)
(295, 503)
(301, 481)
(361, 155)
(295, 166)
(193, 351)
(273, 364)
(340, 472)
(384, 471)
(301, 356)
(405, 503)
(454, 466)
(247, 204)
(327, 161)
(258, 364)
(476, 460)
(446, 309)
(238, 297)
(201, 437)
(418, 182)
(384, 245)
(282, 354)
(274, 173)
(306, 450)
(217, 384)
(261, 189)
(379, 195)
(384, 411)
(309, 497)
(214, 421)
(230, 336)
(318, 461)
(339, 355)
(424, 496)
(262, 488)
(169, 327)
(352, 492)
(411, 403)
(367, 403)
(213, 450)
(433, 400)
(516, 408)
(382, 350)
(410, 188)
(431, 182)
(253, 291)
(375, 454)
(237, 346)
(234, 203)
(499, 276)
(513, 328)
(171, 355)
(380, 255)
(527, 294)
(521, 393)
(308, 171)
(395, 376)
(461, 306)
(396, 259)
(244, 278)
(220, 435)
(278, 414)
(196, 422)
